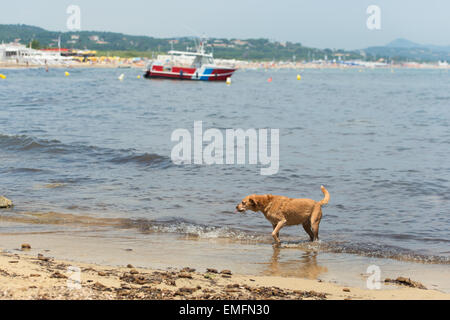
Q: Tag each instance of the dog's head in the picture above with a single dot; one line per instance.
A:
(248, 203)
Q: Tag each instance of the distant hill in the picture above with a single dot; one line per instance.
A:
(402, 43)
(80, 40)
(403, 49)
(247, 49)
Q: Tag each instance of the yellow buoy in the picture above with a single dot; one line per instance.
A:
(228, 81)
(139, 76)
(2, 76)
(67, 74)
(299, 77)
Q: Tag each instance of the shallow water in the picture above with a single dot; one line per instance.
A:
(89, 146)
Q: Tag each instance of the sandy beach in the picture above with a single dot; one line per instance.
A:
(24, 276)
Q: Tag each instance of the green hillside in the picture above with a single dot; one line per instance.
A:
(243, 49)
(248, 49)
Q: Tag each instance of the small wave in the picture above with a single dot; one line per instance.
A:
(33, 144)
(27, 143)
(24, 170)
(148, 159)
(185, 227)
(24, 143)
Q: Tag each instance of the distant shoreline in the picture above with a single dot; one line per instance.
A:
(74, 66)
(126, 45)
(240, 65)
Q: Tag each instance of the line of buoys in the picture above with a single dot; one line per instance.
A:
(2, 76)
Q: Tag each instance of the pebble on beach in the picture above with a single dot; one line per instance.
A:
(25, 246)
(58, 275)
(211, 270)
(42, 258)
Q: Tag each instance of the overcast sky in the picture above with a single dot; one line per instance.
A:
(316, 23)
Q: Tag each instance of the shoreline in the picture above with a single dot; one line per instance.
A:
(70, 66)
(161, 266)
(117, 242)
(30, 277)
(242, 66)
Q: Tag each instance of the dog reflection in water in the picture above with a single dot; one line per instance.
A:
(305, 266)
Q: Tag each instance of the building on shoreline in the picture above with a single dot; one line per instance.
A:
(15, 53)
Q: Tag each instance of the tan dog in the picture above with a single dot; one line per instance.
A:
(283, 211)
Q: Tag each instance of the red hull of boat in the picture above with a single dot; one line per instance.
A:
(180, 73)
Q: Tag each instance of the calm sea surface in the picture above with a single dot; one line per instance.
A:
(89, 148)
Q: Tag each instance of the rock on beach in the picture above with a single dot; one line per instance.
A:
(5, 202)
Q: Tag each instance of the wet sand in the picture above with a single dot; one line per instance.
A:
(156, 264)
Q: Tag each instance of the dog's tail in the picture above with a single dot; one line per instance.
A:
(325, 200)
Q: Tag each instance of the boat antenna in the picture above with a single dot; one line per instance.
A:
(195, 43)
(195, 36)
(171, 51)
(59, 44)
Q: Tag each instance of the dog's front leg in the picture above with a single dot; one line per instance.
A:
(277, 230)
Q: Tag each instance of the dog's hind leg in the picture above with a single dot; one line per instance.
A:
(316, 216)
(307, 227)
(315, 230)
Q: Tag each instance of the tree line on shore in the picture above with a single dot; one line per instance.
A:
(111, 43)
